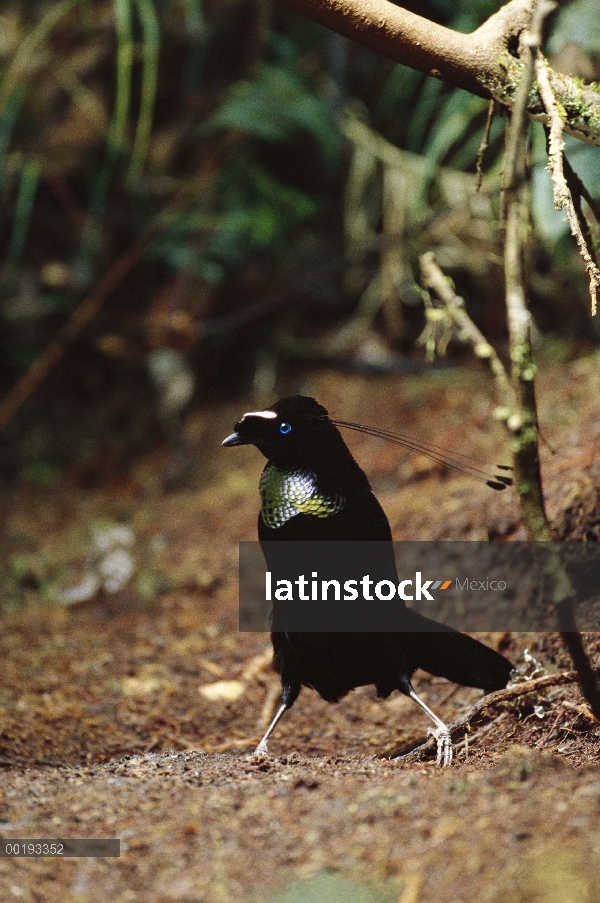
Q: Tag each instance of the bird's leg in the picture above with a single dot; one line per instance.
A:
(261, 749)
(441, 733)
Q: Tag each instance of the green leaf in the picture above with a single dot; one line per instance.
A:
(275, 107)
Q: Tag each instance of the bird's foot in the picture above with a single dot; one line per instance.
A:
(261, 749)
(444, 745)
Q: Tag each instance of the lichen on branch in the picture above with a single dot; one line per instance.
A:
(482, 63)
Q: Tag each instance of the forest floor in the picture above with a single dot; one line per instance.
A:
(132, 714)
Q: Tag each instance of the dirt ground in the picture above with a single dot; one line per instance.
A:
(132, 714)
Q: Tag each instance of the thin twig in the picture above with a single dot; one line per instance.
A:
(470, 740)
(91, 304)
(485, 143)
(563, 198)
(433, 278)
(580, 709)
(576, 186)
(516, 134)
(231, 744)
(523, 422)
(549, 733)
(80, 317)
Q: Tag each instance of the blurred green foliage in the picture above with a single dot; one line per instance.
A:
(208, 140)
(109, 106)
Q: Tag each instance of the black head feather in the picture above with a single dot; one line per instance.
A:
(294, 432)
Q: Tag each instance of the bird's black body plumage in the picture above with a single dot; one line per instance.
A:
(335, 503)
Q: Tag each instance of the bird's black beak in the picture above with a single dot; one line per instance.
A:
(234, 439)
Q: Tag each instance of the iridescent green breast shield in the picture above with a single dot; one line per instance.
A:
(286, 493)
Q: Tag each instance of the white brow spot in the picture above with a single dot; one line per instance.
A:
(266, 415)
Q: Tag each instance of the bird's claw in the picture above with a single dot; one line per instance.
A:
(261, 749)
(444, 745)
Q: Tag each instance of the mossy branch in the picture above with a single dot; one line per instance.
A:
(483, 63)
(523, 422)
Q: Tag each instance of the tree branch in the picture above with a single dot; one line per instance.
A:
(523, 422)
(563, 197)
(433, 278)
(480, 62)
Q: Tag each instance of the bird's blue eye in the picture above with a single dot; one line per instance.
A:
(284, 429)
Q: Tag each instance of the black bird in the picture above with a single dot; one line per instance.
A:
(313, 489)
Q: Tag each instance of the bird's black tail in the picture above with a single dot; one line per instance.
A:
(446, 653)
